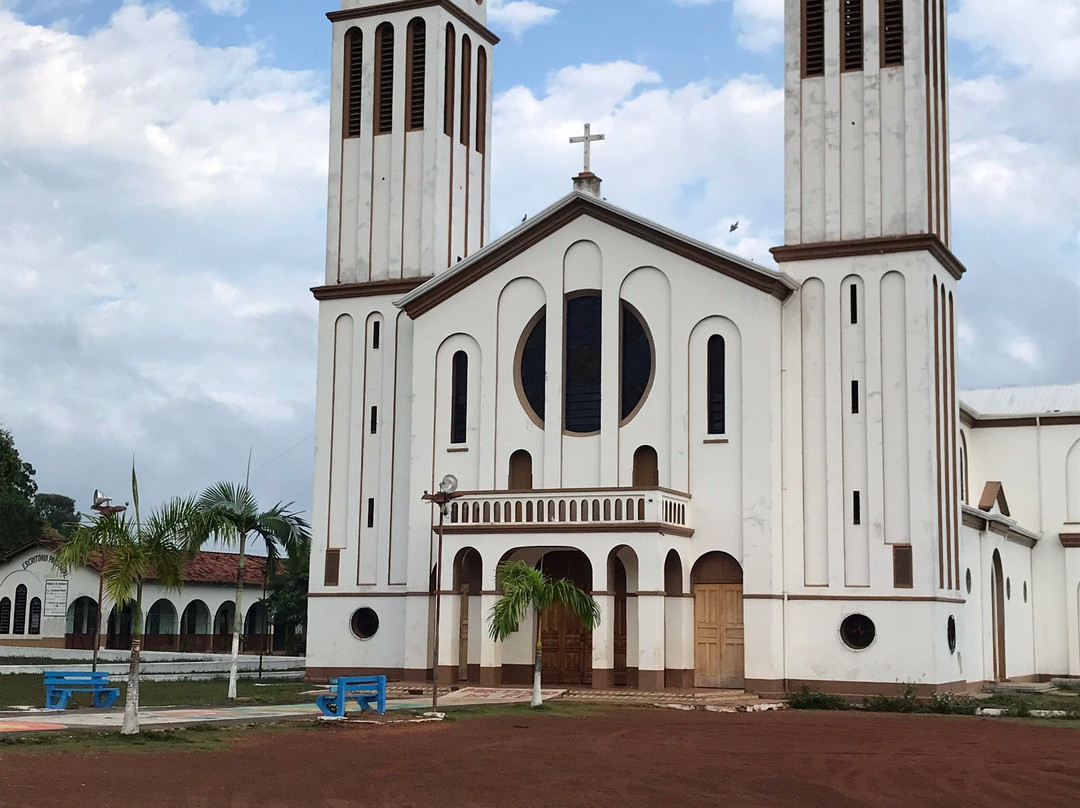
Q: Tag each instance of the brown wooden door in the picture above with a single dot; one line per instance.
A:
(567, 658)
(719, 644)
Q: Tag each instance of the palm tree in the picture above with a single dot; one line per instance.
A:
(233, 514)
(524, 587)
(133, 552)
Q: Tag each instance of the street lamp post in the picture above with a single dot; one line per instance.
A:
(103, 505)
(447, 491)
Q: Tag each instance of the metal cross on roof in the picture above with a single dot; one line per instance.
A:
(588, 139)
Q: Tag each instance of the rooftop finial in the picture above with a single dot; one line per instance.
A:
(586, 182)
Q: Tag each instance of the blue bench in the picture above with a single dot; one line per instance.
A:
(60, 685)
(366, 690)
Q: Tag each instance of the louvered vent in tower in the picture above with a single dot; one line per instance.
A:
(417, 65)
(852, 11)
(813, 38)
(892, 33)
(354, 61)
(481, 99)
(448, 78)
(384, 79)
(466, 90)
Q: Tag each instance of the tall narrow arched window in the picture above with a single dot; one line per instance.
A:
(35, 616)
(5, 615)
(481, 99)
(813, 42)
(851, 12)
(716, 368)
(384, 79)
(646, 468)
(459, 398)
(416, 63)
(354, 71)
(20, 610)
(466, 90)
(892, 33)
(448, 81)
(521, 471)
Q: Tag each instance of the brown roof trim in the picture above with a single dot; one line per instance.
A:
(1050, 419)
(544, 493)
(411, 5)
(343, 291)
(1070, 539)
(994, 493)
(570, 527)
(873, 246)
(968, 418)
(971, 520)
(579, 205)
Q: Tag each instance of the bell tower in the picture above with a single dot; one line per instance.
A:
(410, 135)
(870, 450)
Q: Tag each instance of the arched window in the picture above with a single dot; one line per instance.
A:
(637, 361)
(5, 615)
(716, 367)
(852, 20)
(583, 337)
(532, 367)
(466, 89)
(35, 616)
(646, 468)
(892, 33)
(416, 61)
(459, 398)
(384, 79)
(20, 610)
(813, 44)
(448, 80)
(521, 471)
(354, 71)
(481, 99)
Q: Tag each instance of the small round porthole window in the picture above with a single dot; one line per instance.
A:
(968, 581)
(857, 631)
(1008, 589)
(365, 623)
(950, 632)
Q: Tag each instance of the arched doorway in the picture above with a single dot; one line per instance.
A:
(646, 468)
(223, 628)
(719, 644)
(161, 624)
(195, 627)
(617, 582)
(468, 584)
(81, 624)
(567, 644)
(256, 639)
(997, 601)
(119, 628)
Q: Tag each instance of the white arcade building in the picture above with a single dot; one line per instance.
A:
(766, 478)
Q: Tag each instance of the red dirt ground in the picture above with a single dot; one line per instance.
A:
(628, 757)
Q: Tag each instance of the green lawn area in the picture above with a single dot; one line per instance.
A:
(28, 689)
(1069, 702)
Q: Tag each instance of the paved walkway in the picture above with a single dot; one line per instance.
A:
(401, 697)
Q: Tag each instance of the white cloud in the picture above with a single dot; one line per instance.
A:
(1043, 37)
(760, 22)
(161, 213)
(518, 16)
(227, 8)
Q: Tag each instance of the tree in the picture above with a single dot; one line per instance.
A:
(57, 511)
(19, 520)
(233, 514)
(134, 551)
(286, 594)
(524, 588)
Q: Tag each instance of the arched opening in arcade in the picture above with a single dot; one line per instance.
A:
(81, 624)
(468, 585)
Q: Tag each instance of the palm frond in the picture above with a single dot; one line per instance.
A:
(579, 603)
(507, 613)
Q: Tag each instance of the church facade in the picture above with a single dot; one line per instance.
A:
(766, 478)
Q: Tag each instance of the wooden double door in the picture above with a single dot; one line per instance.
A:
(567, 644)
(719, 636)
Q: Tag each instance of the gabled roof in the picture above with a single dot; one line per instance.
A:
(566, 210)
(1023, 400)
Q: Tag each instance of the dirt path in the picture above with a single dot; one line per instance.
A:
(623, 758)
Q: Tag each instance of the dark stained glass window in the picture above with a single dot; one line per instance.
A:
(717, 419)
(534, 367)
(20, 610)
(637, 361)
(5, 615)
(460, 398)
(583, 366)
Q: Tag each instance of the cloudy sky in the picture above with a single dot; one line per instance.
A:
(162, 201)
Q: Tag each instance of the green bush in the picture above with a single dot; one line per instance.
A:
(806, 699)
(907, 702)
(949, 704)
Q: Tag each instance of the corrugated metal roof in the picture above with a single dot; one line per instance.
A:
(1036, 400)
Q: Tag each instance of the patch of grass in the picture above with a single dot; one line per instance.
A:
(1021, 704)
(28, 689)
(807, 699)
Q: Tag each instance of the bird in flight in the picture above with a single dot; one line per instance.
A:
(734, 227)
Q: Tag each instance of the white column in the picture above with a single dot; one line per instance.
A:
(603, 642)
(490, 651)
(651, 641)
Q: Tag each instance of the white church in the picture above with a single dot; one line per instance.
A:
(767, 479)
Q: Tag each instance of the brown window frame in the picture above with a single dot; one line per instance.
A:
(384, 79)
(353, 92)
(892, 40)
(818, 51)
(852, 29)
(415, 73)
(481, 98)
(466, 90)
(449, 83)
